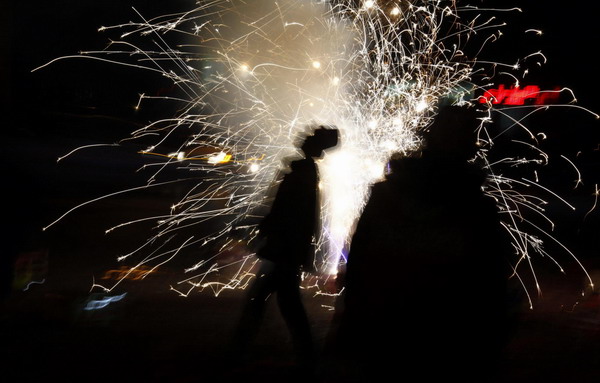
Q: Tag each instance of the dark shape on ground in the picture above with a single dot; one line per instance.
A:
(427, 269)
(287, 236)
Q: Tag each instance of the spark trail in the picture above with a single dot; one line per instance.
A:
(251, 76)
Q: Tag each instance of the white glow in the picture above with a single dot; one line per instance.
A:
(421, 106)
(254, 167)
(217, 158)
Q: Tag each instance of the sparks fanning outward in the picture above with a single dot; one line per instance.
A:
(251, 76)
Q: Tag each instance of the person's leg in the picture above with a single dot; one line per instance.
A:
(294, 314)
(253, 311)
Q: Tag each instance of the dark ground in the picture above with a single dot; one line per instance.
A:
(154, 335)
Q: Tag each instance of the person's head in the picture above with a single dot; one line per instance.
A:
(452, 133)
(322, 138)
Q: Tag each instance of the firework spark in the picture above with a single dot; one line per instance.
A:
(252, 77)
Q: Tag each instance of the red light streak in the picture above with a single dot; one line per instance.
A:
(529, 95)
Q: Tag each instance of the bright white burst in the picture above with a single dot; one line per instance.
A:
(253, 75)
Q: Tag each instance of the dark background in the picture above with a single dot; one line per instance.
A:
(47, 113)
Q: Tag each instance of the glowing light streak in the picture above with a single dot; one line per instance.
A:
(83, 147)
(517, 122)
(542, 154)
(596, 194)
(551, 192)
(240, 279)
(107, 196)
(97, 304)
(220, 158)
(127, 273)
(34, 283)
(536, 31)
(578, 181)
(519, 96)
(566, 249)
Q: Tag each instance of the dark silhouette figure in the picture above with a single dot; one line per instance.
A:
(287, 235)
(426, 275)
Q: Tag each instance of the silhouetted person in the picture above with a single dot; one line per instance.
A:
(426, 273)
(287, 233)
